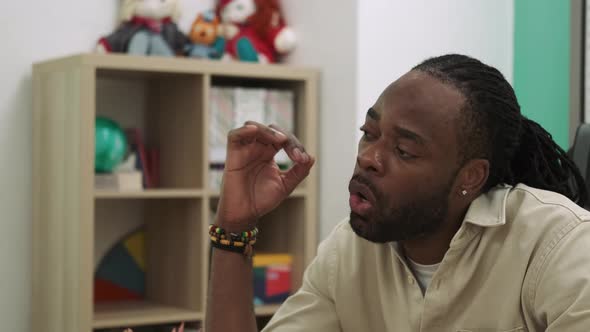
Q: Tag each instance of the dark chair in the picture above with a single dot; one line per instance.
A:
(580, 152)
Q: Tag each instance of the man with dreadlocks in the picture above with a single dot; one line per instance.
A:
(465, 216)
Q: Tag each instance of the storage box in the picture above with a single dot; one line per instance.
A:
(272, 278)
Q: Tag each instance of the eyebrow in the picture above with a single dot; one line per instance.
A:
(408, 134)
(371, 113)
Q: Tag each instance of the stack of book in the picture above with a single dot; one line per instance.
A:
(230, 107)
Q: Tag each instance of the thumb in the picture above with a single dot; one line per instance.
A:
(296, 174)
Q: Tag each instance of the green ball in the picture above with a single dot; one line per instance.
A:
(110, 145)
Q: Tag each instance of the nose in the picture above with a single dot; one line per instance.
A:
(370, 159)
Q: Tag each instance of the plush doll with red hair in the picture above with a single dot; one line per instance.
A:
(255, 30)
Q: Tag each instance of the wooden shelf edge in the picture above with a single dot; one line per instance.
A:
(266, 310)
(131, 314)
(150, 193)
(295, 194)
(195, 66)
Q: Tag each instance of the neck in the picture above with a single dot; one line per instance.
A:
(431, 249)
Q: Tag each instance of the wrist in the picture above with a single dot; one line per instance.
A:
(235, 226)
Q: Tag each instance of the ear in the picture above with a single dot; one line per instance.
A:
(472, 177)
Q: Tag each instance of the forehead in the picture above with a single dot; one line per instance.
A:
(423, 104)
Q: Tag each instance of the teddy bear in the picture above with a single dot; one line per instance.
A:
(206, 41)
(255, 30)
(148, 27)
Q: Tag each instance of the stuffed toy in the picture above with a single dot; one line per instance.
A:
(205, 37)
(255, 30)
(147, 28)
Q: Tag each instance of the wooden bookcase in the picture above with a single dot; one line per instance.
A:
(167, 98)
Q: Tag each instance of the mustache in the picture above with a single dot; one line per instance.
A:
(363, 180)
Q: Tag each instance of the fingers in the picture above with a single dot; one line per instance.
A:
(269, 135)
(253, 131)
(295, 150)
(180, 328)
(242, 135)
(296, 174)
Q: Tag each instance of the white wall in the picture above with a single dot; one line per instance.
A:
(395, 35)
(35, 31)
(328, 42)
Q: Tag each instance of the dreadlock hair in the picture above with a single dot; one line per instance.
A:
(492, 127)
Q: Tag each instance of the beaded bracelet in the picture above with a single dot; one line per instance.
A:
(236, 242)
(231, 243)
(246, 250)
(220, 233)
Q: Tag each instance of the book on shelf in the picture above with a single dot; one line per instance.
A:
(148, 160)
(230, 107)
(221, 121)
(249, 105)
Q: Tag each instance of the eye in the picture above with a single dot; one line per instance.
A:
(403, 154)
(367, 136)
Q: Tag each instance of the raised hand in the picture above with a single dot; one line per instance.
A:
(253, 184)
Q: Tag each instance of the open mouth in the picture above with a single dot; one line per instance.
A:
(362, 190)
(362, 196)
(360, 205)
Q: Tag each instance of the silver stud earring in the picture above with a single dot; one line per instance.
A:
(464, 192)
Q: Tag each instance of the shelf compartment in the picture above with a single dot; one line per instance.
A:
(286, 234)
(173, 244)
(303, 99)
(167, 109)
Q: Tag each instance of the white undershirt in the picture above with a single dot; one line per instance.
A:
(423, 273)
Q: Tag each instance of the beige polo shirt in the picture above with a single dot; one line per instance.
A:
(519, 262)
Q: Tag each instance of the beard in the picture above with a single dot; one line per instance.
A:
(419, 218)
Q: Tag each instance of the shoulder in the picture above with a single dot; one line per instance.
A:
(542, 216)
(556, 228)
(529, 200)
(541, 220)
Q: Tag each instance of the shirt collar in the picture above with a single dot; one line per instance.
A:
(489, 209)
